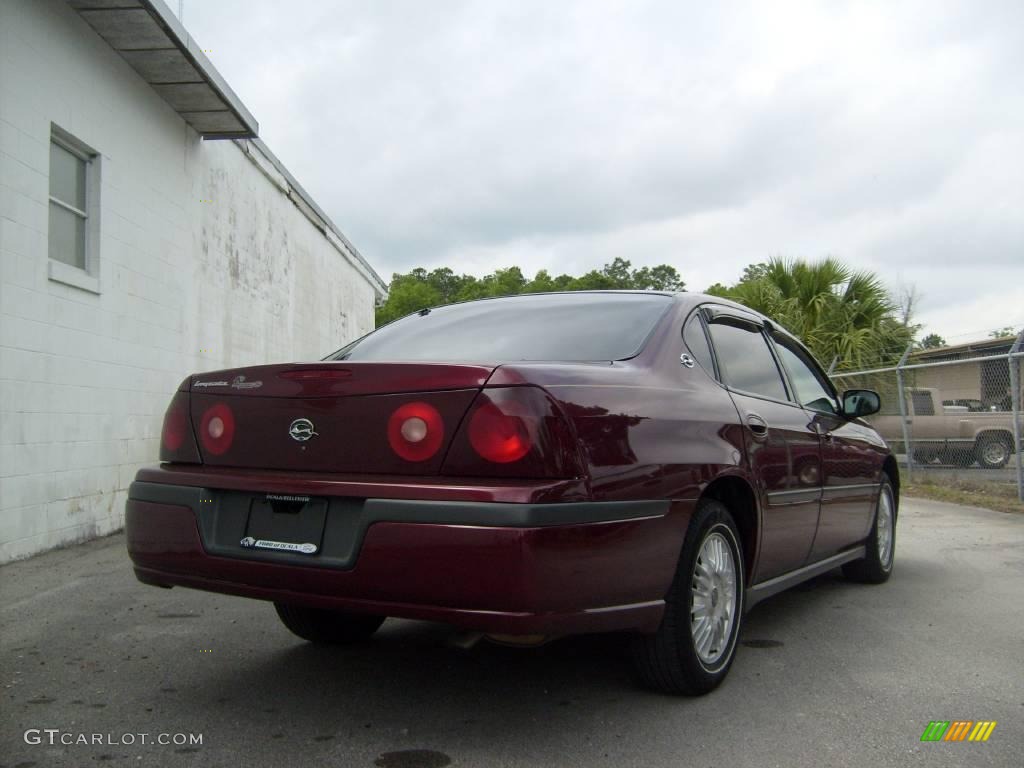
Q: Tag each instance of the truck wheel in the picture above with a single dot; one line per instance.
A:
(876, 566)
(326, 627)
(692, 649)
(993, 451)
(925, 455)
(961, 456)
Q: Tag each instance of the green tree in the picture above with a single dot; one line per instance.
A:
(618, 273)
(837, 311)
(505, 282)
(718, 289)
(407, 294)
(932, 341)
(419, 289)
(659, 278)
(542, 283)
(754, 272)
(1008, 332)
(445, 282)
(595, 280)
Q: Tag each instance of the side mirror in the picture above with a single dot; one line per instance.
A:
(860, 402)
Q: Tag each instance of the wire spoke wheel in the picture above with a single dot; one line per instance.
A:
(713, 599)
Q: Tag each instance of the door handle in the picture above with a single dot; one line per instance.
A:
(758, 427)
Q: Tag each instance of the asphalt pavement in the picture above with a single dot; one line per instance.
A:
(829, 674)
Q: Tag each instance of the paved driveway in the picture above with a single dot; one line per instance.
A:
(830, 674)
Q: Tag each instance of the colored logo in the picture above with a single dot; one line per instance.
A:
(958, 730)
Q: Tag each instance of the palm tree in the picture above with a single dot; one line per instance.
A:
(838, 312)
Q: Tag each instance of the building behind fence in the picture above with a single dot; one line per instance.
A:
(952, 408)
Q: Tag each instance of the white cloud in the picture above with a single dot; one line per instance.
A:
(708, 136)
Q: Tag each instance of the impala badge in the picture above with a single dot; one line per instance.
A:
(250, 543)
(301, 430)
(239, 382)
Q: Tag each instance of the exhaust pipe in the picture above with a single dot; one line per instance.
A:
(464, 640)
(520, 641)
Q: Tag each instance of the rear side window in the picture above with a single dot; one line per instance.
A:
(545, 327)
(745, 360)
(923, 405)
(697, 342)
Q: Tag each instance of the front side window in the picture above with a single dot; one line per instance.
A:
(745, 360)
(68, 205)
(811, 391)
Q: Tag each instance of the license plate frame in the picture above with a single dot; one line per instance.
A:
(292, 524)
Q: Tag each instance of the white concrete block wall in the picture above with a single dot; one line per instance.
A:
(184, 285)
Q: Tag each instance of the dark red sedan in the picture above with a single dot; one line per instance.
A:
(526, 467)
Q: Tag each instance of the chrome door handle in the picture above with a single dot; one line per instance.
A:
(758, 427)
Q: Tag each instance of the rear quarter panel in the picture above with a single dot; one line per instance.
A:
(647, 427)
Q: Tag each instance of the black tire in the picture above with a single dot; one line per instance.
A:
(925, 455)
(993, 451)
(960, 455)
(876, 567)
(326, 627)
(668, 660)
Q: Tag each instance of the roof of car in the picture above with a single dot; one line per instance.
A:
(686, 297)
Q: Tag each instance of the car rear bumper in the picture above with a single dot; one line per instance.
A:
(510, 568)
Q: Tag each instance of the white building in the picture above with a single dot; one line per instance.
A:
(135, 249)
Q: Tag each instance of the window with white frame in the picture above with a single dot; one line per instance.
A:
(71, 170)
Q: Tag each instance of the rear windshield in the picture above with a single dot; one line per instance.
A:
(555, 327)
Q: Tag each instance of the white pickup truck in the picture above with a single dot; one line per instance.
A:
(950, 434)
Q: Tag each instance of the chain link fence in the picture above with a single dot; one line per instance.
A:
(953, 410)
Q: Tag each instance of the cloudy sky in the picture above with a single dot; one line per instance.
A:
(708, 136)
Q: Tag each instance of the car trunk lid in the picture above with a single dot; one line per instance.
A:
(329, 416)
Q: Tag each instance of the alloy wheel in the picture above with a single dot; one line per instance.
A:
(713, 603)
(884, 527)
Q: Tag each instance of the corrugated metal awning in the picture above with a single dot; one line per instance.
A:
(152, 40)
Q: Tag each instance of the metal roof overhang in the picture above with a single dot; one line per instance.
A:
(152, 40)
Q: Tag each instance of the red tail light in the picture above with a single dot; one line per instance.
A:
(501, 436)
(176, 427)
(514, 432)
(217, 429)
(177, 442)
(416, 431)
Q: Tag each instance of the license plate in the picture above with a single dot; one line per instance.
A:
(285, 524)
